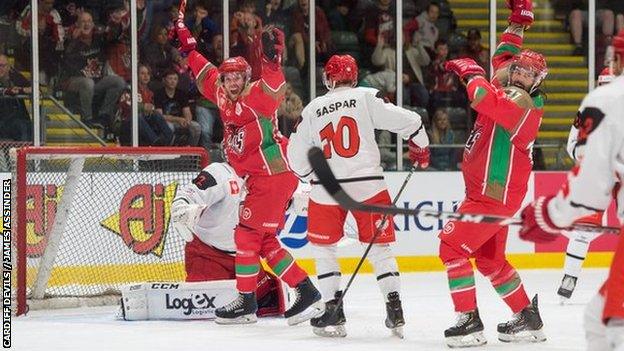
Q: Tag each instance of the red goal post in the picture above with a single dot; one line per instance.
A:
(87, 220)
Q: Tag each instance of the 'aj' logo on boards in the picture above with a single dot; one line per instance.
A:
(41, 203)
(143, 217)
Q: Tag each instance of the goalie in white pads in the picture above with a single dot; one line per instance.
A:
(204, 213)
(590, 188)
(578, 244)
(343, 123)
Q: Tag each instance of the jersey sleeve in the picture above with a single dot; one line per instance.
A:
(590, 185)
(207, 75)
(509, 46)
(208, 188)
(388, 116)
(301, 140)
(511, 108)
(269, 90)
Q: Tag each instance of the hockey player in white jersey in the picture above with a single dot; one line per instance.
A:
(205, 213)
(578, 243)
(590, 188)
(343, 124)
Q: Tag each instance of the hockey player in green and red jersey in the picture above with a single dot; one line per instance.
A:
(257, 152)
(496, 167)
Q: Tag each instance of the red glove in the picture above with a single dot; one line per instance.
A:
(521, 12)
(464, 67)
(186, 41)
(419, 156)
(537, 226)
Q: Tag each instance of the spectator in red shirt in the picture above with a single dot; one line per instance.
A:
(445, 91)
(300, 37)
(51, 37)
(378, 21)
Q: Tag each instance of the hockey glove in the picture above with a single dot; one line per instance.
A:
(273, 44)
(185, 41)
(184, 216)
(537, 226)
(464, 68)
(522, 13)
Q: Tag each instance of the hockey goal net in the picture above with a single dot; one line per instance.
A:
(87, 220)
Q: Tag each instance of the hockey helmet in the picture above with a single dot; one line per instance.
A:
(235, 64)
(340, 69)
(606, 76)
(533, 62)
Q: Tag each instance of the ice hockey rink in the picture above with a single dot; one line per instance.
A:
(425, 299)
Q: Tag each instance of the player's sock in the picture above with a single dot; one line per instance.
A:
(386, 269)
(508, 285)
(285, 267)
(461, 284)
(327, 270)
(576, 253)
(247, 268)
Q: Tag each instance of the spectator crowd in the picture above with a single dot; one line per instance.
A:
(85, 59)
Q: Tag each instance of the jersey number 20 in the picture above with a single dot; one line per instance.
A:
(335, 138)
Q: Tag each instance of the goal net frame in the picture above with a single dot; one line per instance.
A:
(76, 156)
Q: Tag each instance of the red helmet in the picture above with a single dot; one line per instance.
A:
(533, 61)
(606, 76)
(340, 68)
(235, 64)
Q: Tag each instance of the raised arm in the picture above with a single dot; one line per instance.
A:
(206, 74)
(520, 19)
(272, 85)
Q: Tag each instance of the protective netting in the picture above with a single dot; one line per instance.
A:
(94, 223)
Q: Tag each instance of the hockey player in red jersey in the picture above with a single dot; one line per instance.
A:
(256, 151)
(590, 188)
(343, 123)
(496, 167)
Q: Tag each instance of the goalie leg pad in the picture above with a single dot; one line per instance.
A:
(386, 269)
(327, 270)
(272, 295)
(175, 301)
(205, 263)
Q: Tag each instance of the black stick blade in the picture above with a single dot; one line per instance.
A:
(328, 180)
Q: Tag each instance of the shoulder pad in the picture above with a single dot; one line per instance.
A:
(204, 180)
(520, 97)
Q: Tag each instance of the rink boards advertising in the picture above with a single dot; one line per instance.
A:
(137, 229)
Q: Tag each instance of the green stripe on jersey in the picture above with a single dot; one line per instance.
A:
(269, 147)
(503, 48)
(498, 165)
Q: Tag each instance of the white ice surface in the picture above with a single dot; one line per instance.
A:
(427, 305)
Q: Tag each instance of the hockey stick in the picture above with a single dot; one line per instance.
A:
(384, 219)
(331, 184)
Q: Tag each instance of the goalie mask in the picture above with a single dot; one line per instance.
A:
(340, 70)
(527, 70)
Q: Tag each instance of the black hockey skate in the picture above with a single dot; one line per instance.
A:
(394, 319)
(240, 311)
(331, 323)
(526, 326)
(307, 303)
(467, 332)
(568, 283)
